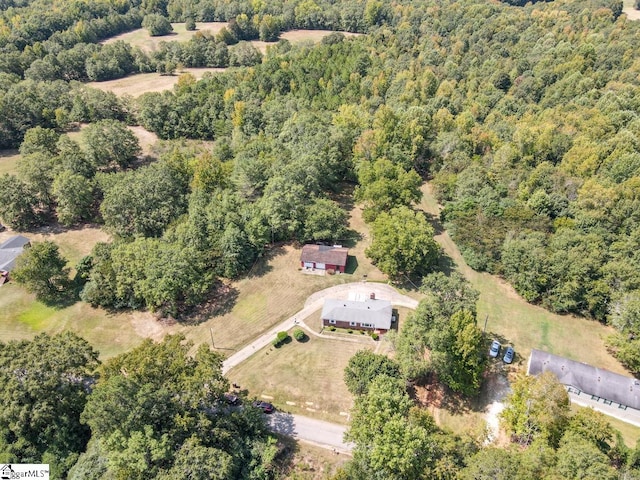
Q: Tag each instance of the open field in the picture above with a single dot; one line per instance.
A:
(22, 317)
(136, 85)
(512, 320)
(308, 374)
(141, 38)
(9, 161)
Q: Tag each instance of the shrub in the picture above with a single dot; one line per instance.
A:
(281, 337)
(349, 331)
(375, 336)
(299, 335)
(157, 25)
(333, 329)
(330, 271)
(190, 24)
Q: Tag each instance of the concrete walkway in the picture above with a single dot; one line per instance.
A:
(629, 415)
(314, 303)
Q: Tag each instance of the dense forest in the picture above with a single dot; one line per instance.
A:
(524, 118)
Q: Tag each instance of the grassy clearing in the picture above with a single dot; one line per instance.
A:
(9, 161)
(141, 38)
(308, 374)
(512, 320)
(136, 85)
(22, 317)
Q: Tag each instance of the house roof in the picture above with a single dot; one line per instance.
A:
(17, 241)
(10, 250)
(602, 383)
(376, 312)
(324, 254)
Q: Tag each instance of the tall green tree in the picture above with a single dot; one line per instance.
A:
(538, 407)
(403, 243)
(47, 382)
(109, 144)
(157, 409)
(43, 271)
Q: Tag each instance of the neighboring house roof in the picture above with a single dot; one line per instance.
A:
(10, 250)
(17, 241)
(602, 383)
(324, 254)
(376, 312)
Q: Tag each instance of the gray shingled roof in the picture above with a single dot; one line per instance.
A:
(595, 381)
(324, 254)
(10, 250)
(377, 312)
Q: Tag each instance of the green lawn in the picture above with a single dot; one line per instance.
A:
(308, 374)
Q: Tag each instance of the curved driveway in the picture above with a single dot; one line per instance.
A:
(313, 303)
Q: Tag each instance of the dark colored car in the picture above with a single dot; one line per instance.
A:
(266, 407)
(494, 351)
(508, 355)
(231, 398)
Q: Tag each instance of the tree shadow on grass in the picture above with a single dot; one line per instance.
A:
(352, 265)
(220, 301)
(261, 266)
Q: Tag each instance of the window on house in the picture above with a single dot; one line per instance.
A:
(367, 325)
(352, 324)
(332, 321)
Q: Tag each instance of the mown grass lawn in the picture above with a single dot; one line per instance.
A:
(309, 374)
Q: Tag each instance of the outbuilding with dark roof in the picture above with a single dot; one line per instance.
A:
(324, 257)
(601, 384)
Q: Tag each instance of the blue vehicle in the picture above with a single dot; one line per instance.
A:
(508, 355)
(494, 351)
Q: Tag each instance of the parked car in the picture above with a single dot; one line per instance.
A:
(508, 355)
(266, 407)
(231, 398)
(494, 351)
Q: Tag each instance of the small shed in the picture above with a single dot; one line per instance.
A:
(324, 257)
(370, 314)
(601, 384)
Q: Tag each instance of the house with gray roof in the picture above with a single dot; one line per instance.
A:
(581, 378)
(11, 249)
(370, 314)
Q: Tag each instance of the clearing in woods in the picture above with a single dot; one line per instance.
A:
(136, 85)
(273, 290)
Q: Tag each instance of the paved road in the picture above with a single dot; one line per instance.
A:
(313, 303)
(310, 430)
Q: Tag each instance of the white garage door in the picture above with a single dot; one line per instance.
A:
(320, 266)
(308, 264)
